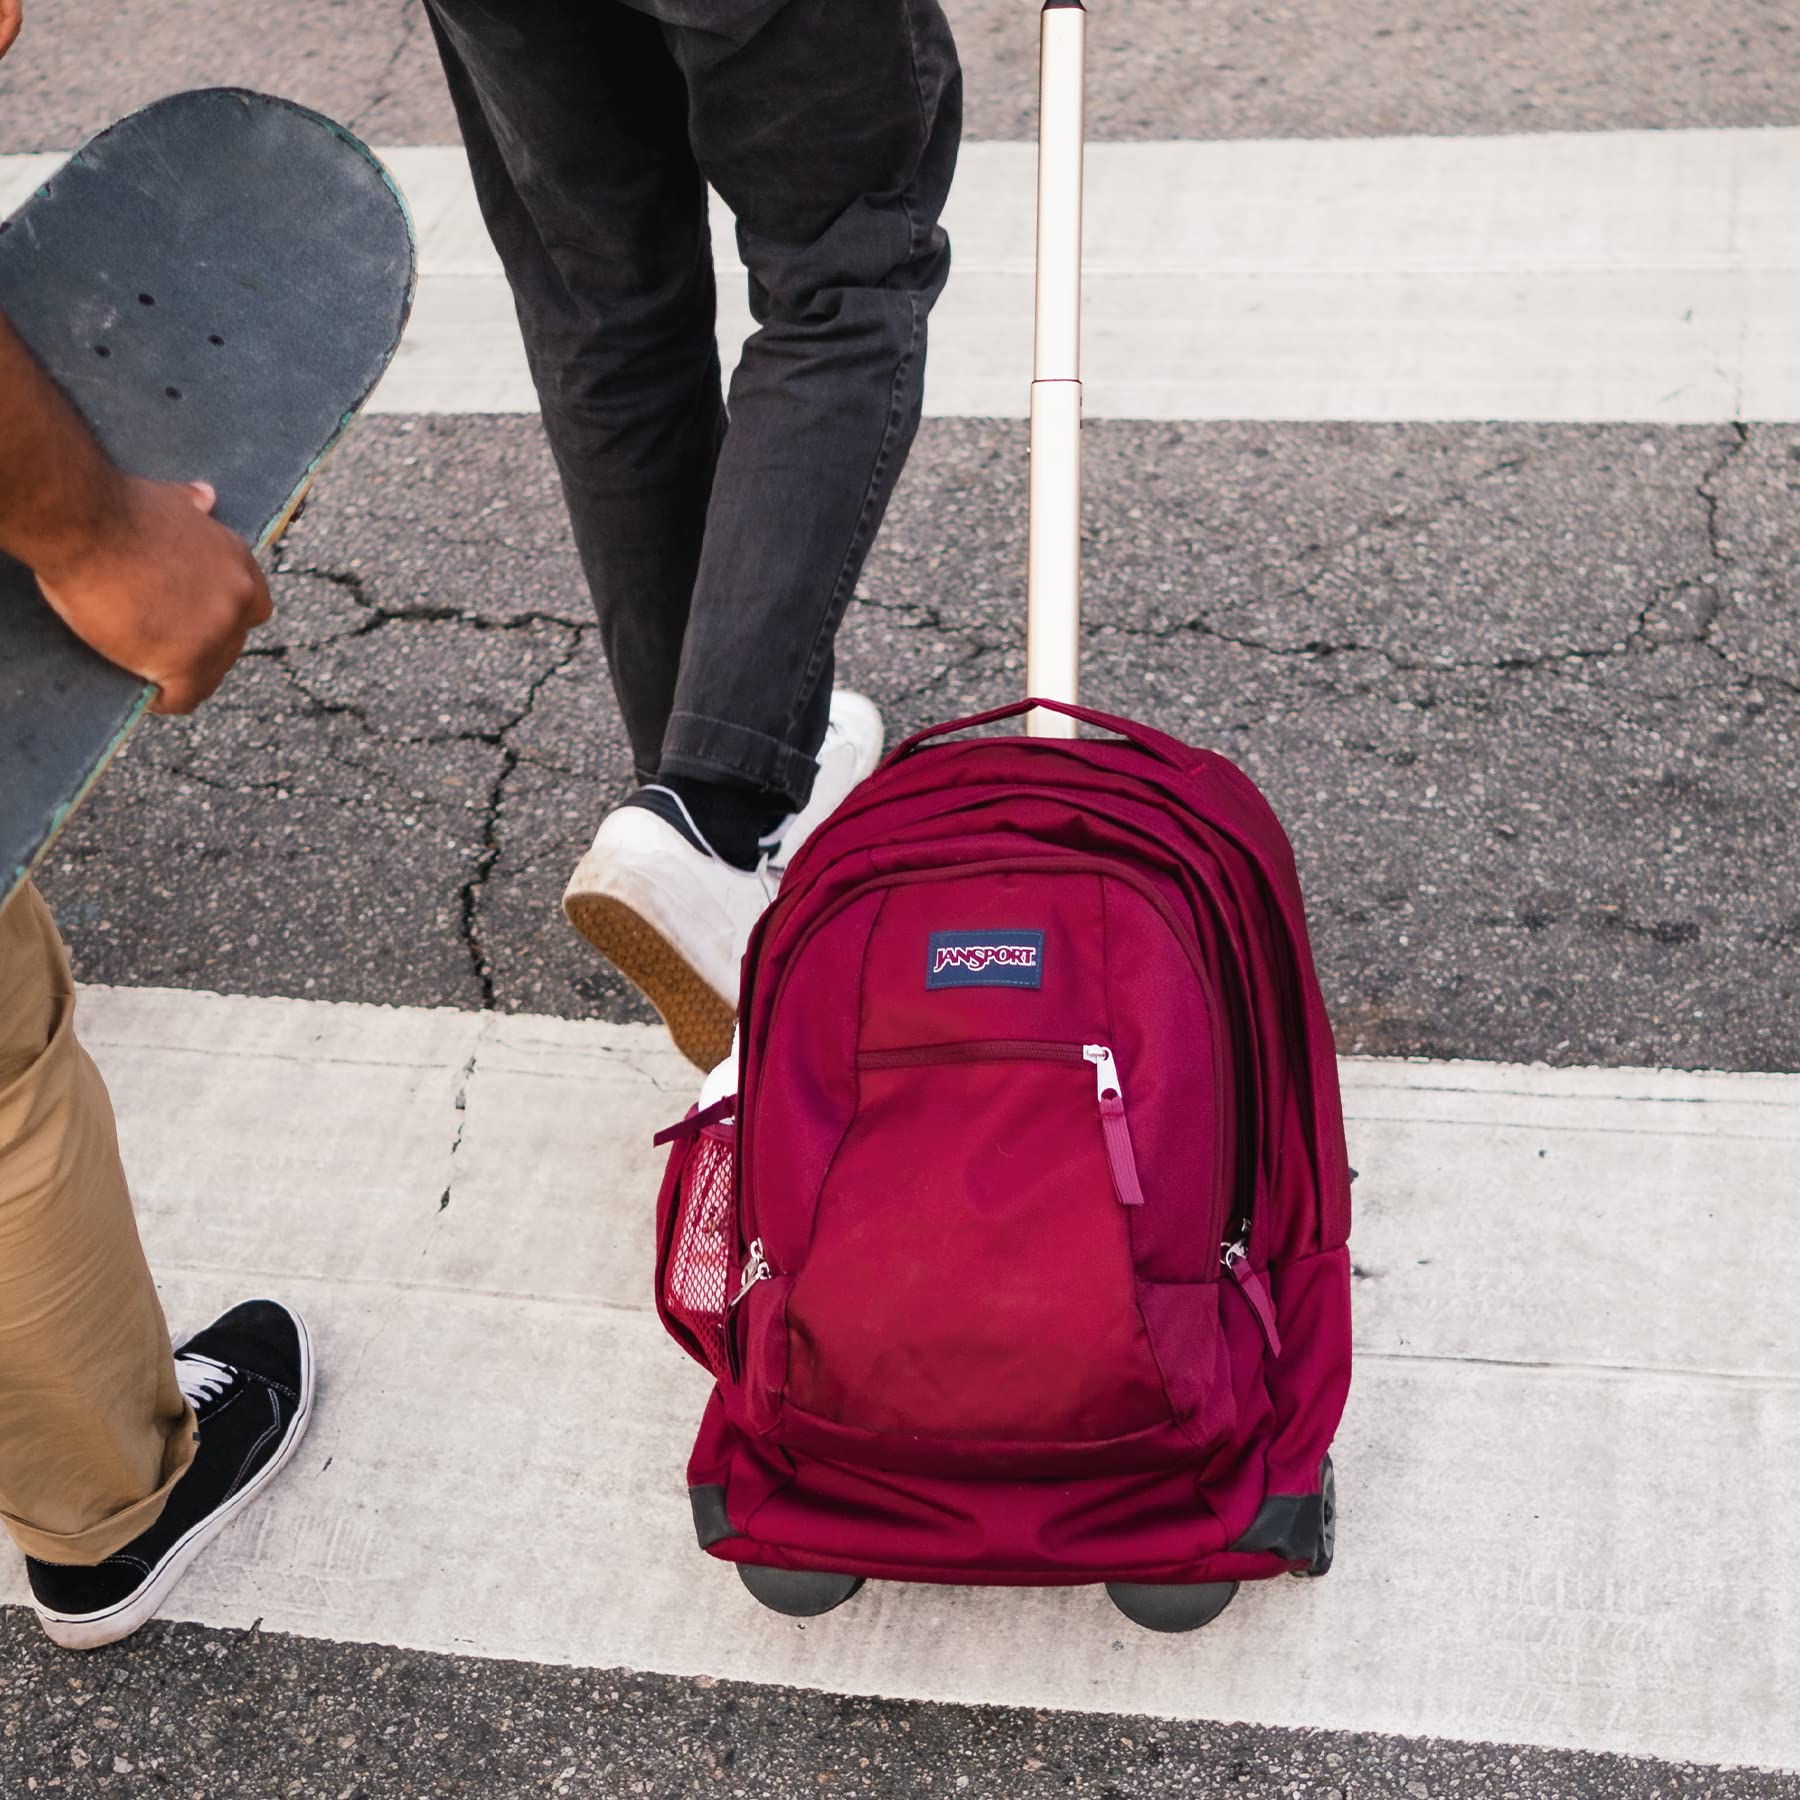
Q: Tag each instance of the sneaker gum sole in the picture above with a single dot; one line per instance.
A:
(91, 1631)
(697, 1018)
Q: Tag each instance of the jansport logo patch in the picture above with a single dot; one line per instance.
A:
(985, 959)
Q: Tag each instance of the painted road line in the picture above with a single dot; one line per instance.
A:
(1575, 1363)
(20, 173)
(1640, 275)
(1577, 276)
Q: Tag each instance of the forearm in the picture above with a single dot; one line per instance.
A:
(58, 492)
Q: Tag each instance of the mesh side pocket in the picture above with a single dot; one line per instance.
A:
(702, 1252)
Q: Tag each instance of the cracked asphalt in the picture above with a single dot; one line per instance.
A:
(1526, 696)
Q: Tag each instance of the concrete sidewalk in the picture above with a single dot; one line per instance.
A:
(1578, 1382)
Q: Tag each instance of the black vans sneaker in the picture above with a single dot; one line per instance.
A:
(249, 1375)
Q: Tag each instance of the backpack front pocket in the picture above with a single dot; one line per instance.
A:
(970, 1276)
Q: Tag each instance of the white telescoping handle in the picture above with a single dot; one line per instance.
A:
(1053, 556)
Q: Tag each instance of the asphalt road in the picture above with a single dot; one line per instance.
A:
(1526, 696)
(1161, 68)
(209, 1714)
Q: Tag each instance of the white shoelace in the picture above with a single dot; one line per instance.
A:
(200, 1378)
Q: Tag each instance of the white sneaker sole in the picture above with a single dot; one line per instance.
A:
(699, 1018)
(89, 1631)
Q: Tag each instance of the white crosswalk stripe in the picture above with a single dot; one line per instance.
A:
(1570, 1401)
(1639, 275)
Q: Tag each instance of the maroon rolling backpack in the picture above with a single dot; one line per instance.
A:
(1019, 1255)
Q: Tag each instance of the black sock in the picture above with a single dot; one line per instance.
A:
(734, 820)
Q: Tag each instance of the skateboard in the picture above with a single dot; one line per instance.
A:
(217, 283)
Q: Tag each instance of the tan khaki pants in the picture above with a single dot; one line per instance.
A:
(93, 1429)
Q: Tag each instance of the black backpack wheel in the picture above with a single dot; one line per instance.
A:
(1327, 1543)
(1171, 1606)
(800, 1593)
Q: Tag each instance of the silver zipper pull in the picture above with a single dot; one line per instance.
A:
(1119, 1154)
(1235, 1259)
(1106, 1071)
(1238, 1248)
(756, 1268)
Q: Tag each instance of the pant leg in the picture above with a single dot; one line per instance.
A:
(830, 127)
(574, 117)
(94, 1430)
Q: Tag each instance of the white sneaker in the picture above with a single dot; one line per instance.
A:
(852, 748)
(672, 918)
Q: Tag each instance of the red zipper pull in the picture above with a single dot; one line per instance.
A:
(697, 1122)
(1255, 1290)
(1112, 1124)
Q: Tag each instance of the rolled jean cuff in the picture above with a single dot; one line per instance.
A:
(704, 749)
(114, 1532)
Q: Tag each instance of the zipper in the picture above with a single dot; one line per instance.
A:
(756, 1268)
(1119, 1153)
(1235, 1258)
(979, 1050)
(1109, 1091)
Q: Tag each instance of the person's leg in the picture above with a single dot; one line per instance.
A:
(574, 116)
(94, 1430)
(831, 131)
(119, 1460)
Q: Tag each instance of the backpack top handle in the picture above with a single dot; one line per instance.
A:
(1053, 565)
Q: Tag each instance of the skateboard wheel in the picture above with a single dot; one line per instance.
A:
(800, 1593)
(1171, 1606)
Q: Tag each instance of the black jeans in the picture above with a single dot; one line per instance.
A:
(721, 548)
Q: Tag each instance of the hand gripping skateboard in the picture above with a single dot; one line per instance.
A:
(216, 282)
